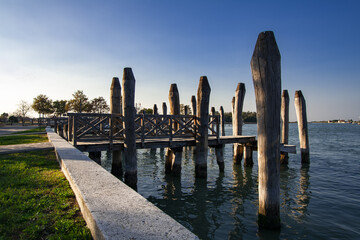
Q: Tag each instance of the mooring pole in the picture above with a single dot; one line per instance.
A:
(164, 108)
(203, 98)
(155, 109)
(300, 106)
(265, 68)
(128, 85)
(284, 157)
(237, 127)
(222, 121)
(173, 161)
(193, 104)
(115, 108)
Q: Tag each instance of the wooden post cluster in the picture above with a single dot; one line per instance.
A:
(173, 155)
(203, 98)
(115, 108)
(237, 121)
(265, 68)
(284, 157)
(300, 106)
(129, 111)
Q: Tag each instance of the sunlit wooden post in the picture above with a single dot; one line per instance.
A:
(265, 68)
(203, 98)
(173, 160)
(237, 121)
(284, 157)
(128, 100)
(115, 108)
(300, 106)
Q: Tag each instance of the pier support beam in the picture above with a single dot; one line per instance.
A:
(128, 100)
(265, 68)
(219, 152)
(203, 98)
(248, 156)
(300, 106)
(172, 164)
(284, 157)
(115, 108)
(237, 116)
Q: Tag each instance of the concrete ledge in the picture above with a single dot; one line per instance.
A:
(111, 209)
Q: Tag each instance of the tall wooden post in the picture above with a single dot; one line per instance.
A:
(222, 121)
(213, 115)
(266, 73)
(203, 98)
(284, 157)
(193, 104)
(128, 100)
(300, 106)
(155, 110)
(186, 110)
(173, 160)
(164, 108)
(115, 108)
(237, 121)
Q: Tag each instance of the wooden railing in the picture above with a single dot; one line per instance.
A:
(109, 127)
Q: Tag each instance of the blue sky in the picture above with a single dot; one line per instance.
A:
(58, 47)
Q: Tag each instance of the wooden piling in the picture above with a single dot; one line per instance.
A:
(128, 100)
(265, 68)
(248, 156)
(284, 157)
(115, 108)
(237, 121)
(193, 104)
(174, 102)
(219, 152)
(155, 110)
(203, 98)
(213, 115)
(164, 108)
(222, 121)
(300, 106)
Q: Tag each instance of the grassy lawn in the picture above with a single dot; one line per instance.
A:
(36, 201)
(20, 139)
(38, 129)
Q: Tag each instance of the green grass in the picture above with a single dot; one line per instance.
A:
(20, 139)
(38, 129)
(36, 201)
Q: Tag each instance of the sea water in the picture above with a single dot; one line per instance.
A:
(318, 201)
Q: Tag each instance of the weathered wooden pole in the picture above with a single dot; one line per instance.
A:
(222, 121)
(173, 161)
(248, 156)
(203, 98)
(237, 121)
(155, 110)
(115, 108)
(193, 104)
(284, 157)
(164, 108)
(300, 106)
(213, 115)
(128, 100)
(266, 73)
(219, 152)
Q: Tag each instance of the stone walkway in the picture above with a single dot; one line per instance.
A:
(16, 148)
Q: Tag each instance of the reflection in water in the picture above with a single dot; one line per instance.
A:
(303, 197)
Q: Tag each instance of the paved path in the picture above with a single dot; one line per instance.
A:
(6, 149)
(13, 129)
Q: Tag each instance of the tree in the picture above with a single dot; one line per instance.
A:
(42, 104)
(146, 111)
(59, 107)
(4, 117)
(182, 109)
(99, 105)
(79, 103)
(23, 109)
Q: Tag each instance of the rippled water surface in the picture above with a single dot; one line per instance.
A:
(321, 201)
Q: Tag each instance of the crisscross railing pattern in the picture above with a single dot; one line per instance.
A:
(89, 126)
